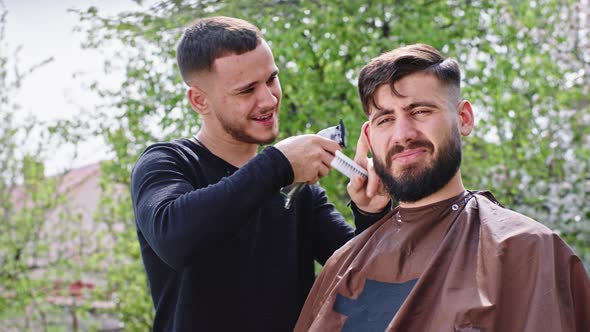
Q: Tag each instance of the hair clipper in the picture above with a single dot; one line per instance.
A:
(342, 163)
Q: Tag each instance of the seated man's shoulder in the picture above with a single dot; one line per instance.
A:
(504, 224)
(365, 243)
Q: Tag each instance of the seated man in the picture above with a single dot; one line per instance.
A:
(445, 259)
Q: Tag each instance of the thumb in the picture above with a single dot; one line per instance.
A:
(362, 148)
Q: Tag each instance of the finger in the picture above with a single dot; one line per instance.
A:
(356, 186)
(323, 171)
(314, 179)
(328, 145)
(374, 181)
(357, 183)
(362, 148)
(326, 159)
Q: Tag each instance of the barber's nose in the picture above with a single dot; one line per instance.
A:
(404, 130)
(267, 98)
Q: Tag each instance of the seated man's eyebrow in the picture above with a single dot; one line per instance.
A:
(419, 104)
(380, 111)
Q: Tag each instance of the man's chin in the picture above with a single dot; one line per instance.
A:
(255, 137)
(265, 142)
(268, 139)
(408, 171)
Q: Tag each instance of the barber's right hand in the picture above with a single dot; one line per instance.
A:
(310, 156)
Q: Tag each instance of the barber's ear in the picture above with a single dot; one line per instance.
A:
(465, 118)
(198, 99)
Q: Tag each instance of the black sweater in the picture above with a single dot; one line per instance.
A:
(220, 251)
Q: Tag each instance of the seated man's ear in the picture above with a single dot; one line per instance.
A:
(465, 118)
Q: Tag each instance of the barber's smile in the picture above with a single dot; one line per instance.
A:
(409, 156)
(265, 119)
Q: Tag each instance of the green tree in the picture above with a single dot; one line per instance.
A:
(27, 264)
(525, 70)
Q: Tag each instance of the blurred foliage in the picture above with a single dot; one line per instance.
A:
(29, 259)
(43, 247)
(526, 67)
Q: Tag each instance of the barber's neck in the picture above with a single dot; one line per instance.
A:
(226, 147)
(453, 188)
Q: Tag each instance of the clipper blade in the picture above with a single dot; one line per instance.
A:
(336, 134)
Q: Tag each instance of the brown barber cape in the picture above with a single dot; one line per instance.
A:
(465, 264)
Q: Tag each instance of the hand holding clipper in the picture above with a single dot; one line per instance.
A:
(340, 162)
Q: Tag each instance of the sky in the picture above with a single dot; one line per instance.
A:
(44, 29)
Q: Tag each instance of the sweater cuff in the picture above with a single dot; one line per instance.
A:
(357, 211)
(364, 220)
(283, 164)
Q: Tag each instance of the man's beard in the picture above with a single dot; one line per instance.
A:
(238, 132)
(415, 182)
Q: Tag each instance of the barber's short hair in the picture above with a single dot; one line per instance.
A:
(209, 38)
(392, 66)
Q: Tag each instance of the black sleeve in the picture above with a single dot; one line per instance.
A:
(331, 230)
(179, 220)
(364, 220)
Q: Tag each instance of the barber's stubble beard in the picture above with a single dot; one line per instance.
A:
(239, 133)
(417, 182)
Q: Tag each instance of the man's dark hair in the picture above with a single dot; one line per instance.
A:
(209, 38)
(392, 66)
